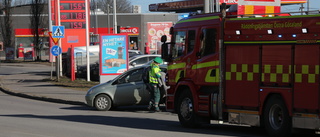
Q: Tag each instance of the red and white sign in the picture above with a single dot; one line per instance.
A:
(130, 30)
(230, 2)
(260, 2)
(155, 32)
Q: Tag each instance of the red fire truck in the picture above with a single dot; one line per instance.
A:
(261, 71)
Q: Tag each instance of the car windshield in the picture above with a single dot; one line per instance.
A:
(134, 53)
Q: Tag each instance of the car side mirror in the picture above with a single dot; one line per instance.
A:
(133, 64)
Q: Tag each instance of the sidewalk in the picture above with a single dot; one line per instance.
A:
(30, 84)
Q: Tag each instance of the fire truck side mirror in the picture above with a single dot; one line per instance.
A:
(163, 38)
(165, 52)
(171, 31)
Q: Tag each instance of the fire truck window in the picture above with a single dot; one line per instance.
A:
(179, 47)
(208, 42)
(191, 40)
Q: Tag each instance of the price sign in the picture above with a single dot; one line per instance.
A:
(73, 15)
(74, 25)
(72, 6)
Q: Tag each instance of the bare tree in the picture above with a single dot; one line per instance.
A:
(6, 24)
(123, 6)
(36, 25)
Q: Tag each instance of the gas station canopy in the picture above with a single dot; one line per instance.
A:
(195, 5)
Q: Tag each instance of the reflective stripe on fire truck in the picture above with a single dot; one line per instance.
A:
(278, 17)
(244, 70)
(303, 73)
(309, 71)
(177, 66)
(206, 64)
(240, 72)
(259, 42)
(209, 77)
(199, 19)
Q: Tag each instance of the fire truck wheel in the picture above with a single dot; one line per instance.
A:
(102, 103)
(186, 114)
(276, 118)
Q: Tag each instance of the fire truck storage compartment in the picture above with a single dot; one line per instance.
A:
(242, 75)
(306, 88)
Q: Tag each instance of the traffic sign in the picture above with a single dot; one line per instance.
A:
(56, 50)
(55, 40)
(58, 31)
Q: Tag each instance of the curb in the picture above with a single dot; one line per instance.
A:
(42, 98)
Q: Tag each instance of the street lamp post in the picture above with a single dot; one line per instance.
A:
(108, 10)
(115, 16)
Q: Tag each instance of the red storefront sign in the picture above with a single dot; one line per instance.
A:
(130, 30)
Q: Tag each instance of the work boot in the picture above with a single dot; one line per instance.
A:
(150, 107)
(157, 109)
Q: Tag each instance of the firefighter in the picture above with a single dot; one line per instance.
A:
(154, 74)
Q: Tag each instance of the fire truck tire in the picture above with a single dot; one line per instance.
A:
(186, 114)
(276, 118)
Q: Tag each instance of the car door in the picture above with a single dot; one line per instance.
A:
(130, 89)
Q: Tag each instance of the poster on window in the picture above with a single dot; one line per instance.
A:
(113, 55)
(28, 53)
(9, 53)
(155, 31)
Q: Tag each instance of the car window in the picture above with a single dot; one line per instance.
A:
(151, 58)
(133, 76)
(179, 47)
(141, 61)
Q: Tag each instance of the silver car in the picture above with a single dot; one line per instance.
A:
(140, 60)
(125, 90)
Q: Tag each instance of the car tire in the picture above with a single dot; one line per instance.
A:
(103, 103)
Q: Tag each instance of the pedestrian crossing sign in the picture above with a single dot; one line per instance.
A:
(58, 32)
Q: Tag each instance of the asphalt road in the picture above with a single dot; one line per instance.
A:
(23, 117)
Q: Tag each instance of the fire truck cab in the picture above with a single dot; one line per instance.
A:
(253, 71)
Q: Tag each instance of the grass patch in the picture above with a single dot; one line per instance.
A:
(78, 84)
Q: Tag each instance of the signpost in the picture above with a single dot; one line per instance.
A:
(56, 51)
(57, 33)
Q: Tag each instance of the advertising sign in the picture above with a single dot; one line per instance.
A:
(9, 53)
(230, 2)
(28, 53)
(155, 31)
(260, 2)
(113, 55)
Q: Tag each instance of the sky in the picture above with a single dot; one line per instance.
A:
(314, 5)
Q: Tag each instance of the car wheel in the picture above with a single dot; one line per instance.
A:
(276, 118)
(186, 114)
(102, 103)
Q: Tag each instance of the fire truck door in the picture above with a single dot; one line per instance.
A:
(207, 72)
(306, 85)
